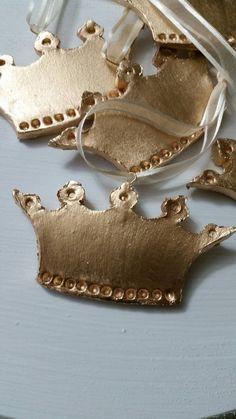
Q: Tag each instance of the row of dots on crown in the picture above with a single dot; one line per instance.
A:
(82, 287)
(183, 38)
(172, 37)
(163, 155)
(48, 120)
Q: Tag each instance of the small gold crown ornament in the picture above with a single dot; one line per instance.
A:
(116, 255)
(45, 97)
(219, 13)
(223, 155)
(180, 90)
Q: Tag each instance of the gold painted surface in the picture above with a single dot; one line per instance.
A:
(220, 13)
(116, 254)
(180, 90)
(223, 155)
(44, 97)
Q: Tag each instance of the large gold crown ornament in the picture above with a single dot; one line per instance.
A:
(219, 13)
(180, 90)
(45, 97)
(223, 155)
(116, 255)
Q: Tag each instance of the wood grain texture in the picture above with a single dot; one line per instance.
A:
(68, 359)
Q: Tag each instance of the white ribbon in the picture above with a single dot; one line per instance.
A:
(122, 36)
(41, 13)
(205, 38)
(211, 127)
(212, 44)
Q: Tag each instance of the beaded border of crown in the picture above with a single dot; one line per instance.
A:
(86, 288)
(164, 287)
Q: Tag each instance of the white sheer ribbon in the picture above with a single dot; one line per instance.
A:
(41, 13)
(211, 122)
(205, 38)
(122, 36)
(211, 43)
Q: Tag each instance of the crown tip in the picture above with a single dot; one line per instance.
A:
(16, 194)
(89, 30)
(214, 235)
(192, 184)
(208, 178)
(66, 140)
(232, 230)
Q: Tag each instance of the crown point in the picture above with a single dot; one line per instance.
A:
(223, 155)
(66, 140)
(124, 196)
(28, 202)
(175, 209)
(205, 180)
(71, 192)
(213, 235)
(222, 151)
(89, 30)
(126, 73)
(46, 41)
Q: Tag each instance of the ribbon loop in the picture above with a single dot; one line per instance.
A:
(211, 122)
(205, 38)
(217, 51)
(42, 12)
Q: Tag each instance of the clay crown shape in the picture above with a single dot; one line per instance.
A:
(180, 90)
(116, 254)
(44, 97)
(223, 155)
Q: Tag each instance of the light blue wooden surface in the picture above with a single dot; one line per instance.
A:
(63, 358)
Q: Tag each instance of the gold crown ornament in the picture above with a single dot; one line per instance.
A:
(219, 13)
(180, 90)
(116, 255)
(45, 97)
(223, 155)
